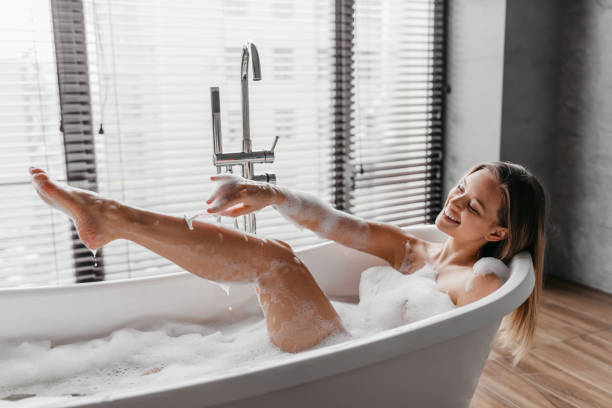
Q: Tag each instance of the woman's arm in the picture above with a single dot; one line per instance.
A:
(306, 210)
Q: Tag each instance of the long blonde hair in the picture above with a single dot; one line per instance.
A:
(523, 212)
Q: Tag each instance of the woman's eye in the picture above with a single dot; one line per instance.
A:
(460, 188)
(473, 209)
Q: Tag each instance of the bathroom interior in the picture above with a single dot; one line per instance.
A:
(375, 107)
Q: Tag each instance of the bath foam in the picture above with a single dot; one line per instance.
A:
(389, 298)
(190, 218)
(189, 221)
(168, 352)
(486, 265)
(408, 258)
(300, 207)
(120, 360)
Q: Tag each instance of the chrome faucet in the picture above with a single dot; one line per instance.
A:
(244, 86)
(247, 158)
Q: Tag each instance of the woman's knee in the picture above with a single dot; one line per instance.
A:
(281, 254)
(282, 244)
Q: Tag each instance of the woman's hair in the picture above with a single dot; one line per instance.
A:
(523, 212)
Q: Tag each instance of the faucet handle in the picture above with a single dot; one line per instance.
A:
(266, 177)
(274, 144)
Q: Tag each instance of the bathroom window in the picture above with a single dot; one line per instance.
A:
(35, 241)
(398, 87)
(361, 129)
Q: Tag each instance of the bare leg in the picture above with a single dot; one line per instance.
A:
(298, 314)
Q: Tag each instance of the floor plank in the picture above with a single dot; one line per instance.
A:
(518, 390)
(570, 362)
(572, 389)
(484, 397)
(578, 363)
(594, 346)
(550, 330)
(604, 335)
(594, 302)
(572, 317)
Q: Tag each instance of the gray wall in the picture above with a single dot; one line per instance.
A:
(557, 120)
(475, 73)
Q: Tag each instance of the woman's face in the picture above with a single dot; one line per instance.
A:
(474, 203)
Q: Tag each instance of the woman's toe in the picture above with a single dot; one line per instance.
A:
(39, 176)
(56, 193)
(35, 170)
(40, 179)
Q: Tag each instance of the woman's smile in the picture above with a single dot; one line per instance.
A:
(449, 217)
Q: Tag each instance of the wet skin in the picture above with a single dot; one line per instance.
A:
(297, 312)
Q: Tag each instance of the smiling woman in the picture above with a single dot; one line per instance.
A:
(497, 210)
(465, 207)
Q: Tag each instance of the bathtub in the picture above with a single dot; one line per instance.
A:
(435, 362)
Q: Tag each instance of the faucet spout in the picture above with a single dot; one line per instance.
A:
(245, 62)
(244, 82)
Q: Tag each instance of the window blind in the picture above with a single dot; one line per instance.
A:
(151, 67)
(35, 240)
(396, 148)
(76, 126)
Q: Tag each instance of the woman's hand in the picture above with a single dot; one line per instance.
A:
(236, 196)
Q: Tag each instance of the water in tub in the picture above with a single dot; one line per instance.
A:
(35, 372)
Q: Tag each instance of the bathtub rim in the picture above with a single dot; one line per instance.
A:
(311, 365)
(425, 229)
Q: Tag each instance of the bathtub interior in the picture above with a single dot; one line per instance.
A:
(337, 269)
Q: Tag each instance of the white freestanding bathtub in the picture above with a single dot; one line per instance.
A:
(435, 362)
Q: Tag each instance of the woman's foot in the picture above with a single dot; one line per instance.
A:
(89, 211)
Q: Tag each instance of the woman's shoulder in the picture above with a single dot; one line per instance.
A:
(489, 265)
(488, 275)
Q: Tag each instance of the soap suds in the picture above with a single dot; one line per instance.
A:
(189, 221)
(389, 298)
(300, 207)
(169, 352)
(488, 265)
(408, 258)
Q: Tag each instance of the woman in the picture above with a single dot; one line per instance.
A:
(496, 210)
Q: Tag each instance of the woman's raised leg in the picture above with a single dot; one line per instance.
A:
(298, 314)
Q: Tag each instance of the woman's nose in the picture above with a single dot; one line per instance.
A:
(456, 201)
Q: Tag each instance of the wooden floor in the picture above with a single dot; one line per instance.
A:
(570, 364)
